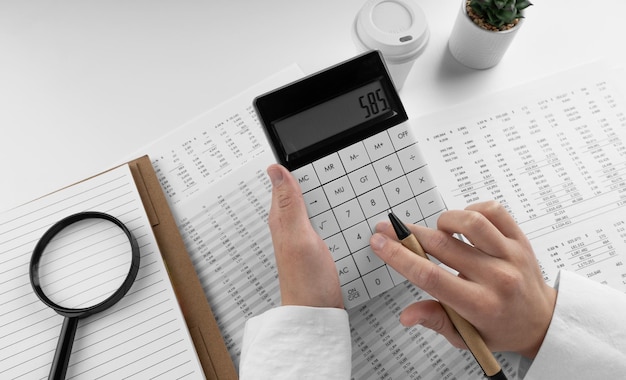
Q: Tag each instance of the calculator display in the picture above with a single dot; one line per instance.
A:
(331, 117)
(330, 110)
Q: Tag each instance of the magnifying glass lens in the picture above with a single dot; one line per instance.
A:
(82, 265)
(85, 263)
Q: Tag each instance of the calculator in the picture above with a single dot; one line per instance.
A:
(344, 135)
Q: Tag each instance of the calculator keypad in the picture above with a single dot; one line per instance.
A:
(348, 192)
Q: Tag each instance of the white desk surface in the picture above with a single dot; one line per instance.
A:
(84, 85)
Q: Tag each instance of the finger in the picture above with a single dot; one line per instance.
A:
(306, 270)
(289, 224)
(477, 229)
(287, 198)
(288, 213)
(438, 282)
(449, 250)
(431, 315)
(496, 213)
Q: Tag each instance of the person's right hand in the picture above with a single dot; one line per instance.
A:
(499, 289)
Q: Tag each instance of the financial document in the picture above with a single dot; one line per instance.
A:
(555, 156)
(526, 150)
(223, 220)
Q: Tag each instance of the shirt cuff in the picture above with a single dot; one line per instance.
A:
(297, 342)
(586, 338)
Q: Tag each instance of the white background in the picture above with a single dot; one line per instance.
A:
(84, 85)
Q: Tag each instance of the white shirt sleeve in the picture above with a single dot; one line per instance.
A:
(297, 342)
(586, 338)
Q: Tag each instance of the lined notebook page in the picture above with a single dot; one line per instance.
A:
(142, 336)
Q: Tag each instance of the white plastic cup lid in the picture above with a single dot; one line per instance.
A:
(397, 28)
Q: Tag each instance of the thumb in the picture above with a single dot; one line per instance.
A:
(287, 203)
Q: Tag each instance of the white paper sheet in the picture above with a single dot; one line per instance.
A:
(223, 220)
(224, 225)
(554, 153)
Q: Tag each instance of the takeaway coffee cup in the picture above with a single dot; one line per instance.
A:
(397, 28)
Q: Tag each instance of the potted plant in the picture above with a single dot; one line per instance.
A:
(484, 30)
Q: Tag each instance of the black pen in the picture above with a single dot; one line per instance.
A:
(467, 331)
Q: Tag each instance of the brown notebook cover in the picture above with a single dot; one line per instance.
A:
(203, 328)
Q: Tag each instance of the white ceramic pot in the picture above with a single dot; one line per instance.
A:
(476, 47)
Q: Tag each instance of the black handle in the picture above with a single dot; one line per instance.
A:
(64, 349)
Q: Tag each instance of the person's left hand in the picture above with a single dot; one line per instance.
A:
(306, 270)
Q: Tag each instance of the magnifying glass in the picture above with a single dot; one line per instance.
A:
(82, 265)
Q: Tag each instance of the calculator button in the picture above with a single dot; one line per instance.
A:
(378, 281)
(315, 201)
(401, 135)
(378, 146)
(364, 179)
(398, 191)
(325, 224)
(339, 191)
(374, 220)
(346, 268)
(348, 214)
(329, 168)
(411, 158)
(408, 212)
(354, 293)
(366, 260)
(430, 202)
(337, 246)
(306, 177)
(388, 168)
(420, 180)
(373, 202)
(354, 157)
(358, 236)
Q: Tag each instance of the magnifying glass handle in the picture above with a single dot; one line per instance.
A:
(64, 349)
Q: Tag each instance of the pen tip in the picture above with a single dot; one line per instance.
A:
(401, 230)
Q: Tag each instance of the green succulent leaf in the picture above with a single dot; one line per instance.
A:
(500, 3)
(523, 4)
(499, 12)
